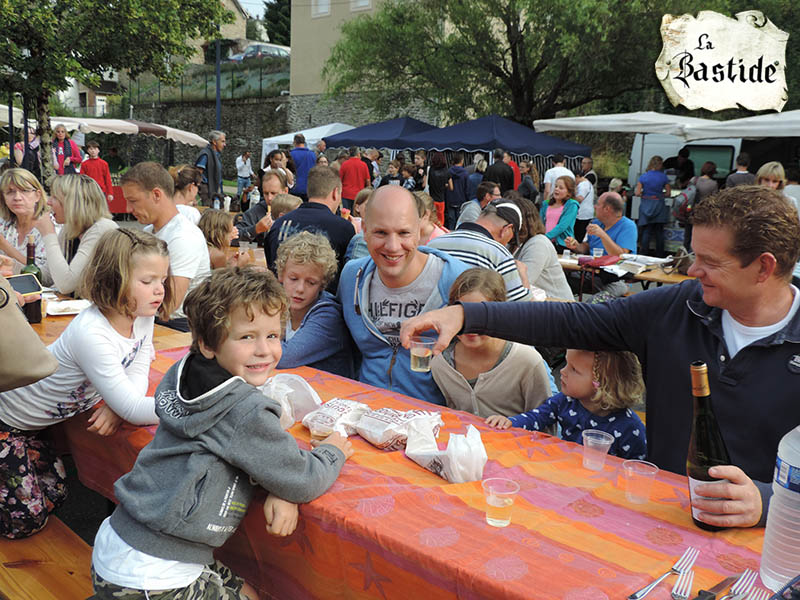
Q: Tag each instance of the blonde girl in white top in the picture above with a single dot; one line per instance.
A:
(103, 354)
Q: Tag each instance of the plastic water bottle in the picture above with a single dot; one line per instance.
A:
(780, 559)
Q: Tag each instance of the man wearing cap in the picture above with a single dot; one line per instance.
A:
(613, 233)
(483, 244)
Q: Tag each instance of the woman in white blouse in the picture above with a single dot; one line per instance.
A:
(79, 205)
(22, 202)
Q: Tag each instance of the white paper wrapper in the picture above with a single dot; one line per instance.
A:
(387, 428)
(337, 414)
(295, 396)
(66, 307)
(462, 461)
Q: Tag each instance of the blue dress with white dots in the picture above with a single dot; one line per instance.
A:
(630, 439)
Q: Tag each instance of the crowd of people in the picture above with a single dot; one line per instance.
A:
(357, 262)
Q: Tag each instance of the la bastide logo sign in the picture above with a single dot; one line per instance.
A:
(717, 62)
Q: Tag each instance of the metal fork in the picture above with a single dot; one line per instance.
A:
(759, 594)
(742, 586)
(684, 563)
(683, 586)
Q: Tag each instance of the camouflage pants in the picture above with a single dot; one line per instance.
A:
(217, 582)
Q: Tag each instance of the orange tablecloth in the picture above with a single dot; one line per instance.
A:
(389, 529)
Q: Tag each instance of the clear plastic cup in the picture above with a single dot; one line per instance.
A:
(500, 493)
(421, 353)
(597, 252)
(595, 447)
(639, 476)
(566, 254)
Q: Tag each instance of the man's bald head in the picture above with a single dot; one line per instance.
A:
(393, 196)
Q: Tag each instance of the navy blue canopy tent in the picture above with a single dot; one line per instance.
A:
(378, 135)
(486, 134)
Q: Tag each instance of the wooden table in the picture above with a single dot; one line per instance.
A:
(163, 337)
(389, 529)
(654, 275)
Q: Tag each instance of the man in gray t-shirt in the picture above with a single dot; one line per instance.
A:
(389, 307)
(395, 282)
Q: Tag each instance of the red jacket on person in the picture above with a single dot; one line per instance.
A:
(355, 177)
(97, 169)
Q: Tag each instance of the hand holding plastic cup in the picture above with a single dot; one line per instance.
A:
(595, 447)
(421, 353)
(639, 476)
(500, 493)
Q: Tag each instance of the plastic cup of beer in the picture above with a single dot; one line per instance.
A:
(639, 476)
(597, 252)
(421, 353)
(595, 447)
(500, 493)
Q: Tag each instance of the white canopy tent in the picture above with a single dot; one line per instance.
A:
(119, 126)
(768, 125)
(312, 135)
(636, 122)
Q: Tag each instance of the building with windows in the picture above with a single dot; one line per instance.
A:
(316, 27)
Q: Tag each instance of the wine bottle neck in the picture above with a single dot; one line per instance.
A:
(702, 405)
(31, 254)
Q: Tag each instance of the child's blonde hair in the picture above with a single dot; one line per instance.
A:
(306, 248)
(209, 306)
(360, 202)
(484, 281)
(284, 203)
(216, 227)
(107, 277)
(425, 205)
(617, 378)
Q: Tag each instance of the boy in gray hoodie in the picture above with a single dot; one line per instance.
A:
(218, 438)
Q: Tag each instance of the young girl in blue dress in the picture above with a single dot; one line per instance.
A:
(598, 390)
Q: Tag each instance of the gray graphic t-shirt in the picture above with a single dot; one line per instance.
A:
(389, 307)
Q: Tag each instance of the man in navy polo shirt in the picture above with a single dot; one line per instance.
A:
(304, 160)
(318, 215)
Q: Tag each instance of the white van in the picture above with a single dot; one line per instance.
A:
(721, 151)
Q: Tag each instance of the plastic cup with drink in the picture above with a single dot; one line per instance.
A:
(639, 476)
(500, 493)
(421, 353)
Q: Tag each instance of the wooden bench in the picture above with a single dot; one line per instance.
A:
(54, 564)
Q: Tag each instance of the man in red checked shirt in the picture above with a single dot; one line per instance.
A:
(96, 168)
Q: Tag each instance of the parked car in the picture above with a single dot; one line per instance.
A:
(236, 58)
(261, 51)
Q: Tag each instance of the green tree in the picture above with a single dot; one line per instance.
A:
(278, 21)
(44, 43)
(253, 31)
(524, 59)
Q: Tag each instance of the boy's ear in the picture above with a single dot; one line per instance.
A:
(205, 350)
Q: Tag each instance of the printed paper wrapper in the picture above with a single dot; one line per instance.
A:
(387, 428)
(463, 459)
(337, 414)
(295, 396)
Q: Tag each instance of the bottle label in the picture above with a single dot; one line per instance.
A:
(693, 495)
(787, 475)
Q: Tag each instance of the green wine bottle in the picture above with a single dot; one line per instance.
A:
(706, 445)
(32, 310)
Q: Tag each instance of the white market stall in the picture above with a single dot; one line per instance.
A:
(312, 135)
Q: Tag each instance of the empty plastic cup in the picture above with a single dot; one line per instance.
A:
(639, 476)
(595, 447)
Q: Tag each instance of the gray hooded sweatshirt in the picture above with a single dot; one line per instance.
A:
(191, 485)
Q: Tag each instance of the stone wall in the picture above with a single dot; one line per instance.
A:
(245, 121)
(313, 109)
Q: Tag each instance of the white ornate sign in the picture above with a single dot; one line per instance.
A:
(717, 62)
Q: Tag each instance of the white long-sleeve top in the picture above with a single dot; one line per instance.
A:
(94, 362)
(67, 275)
